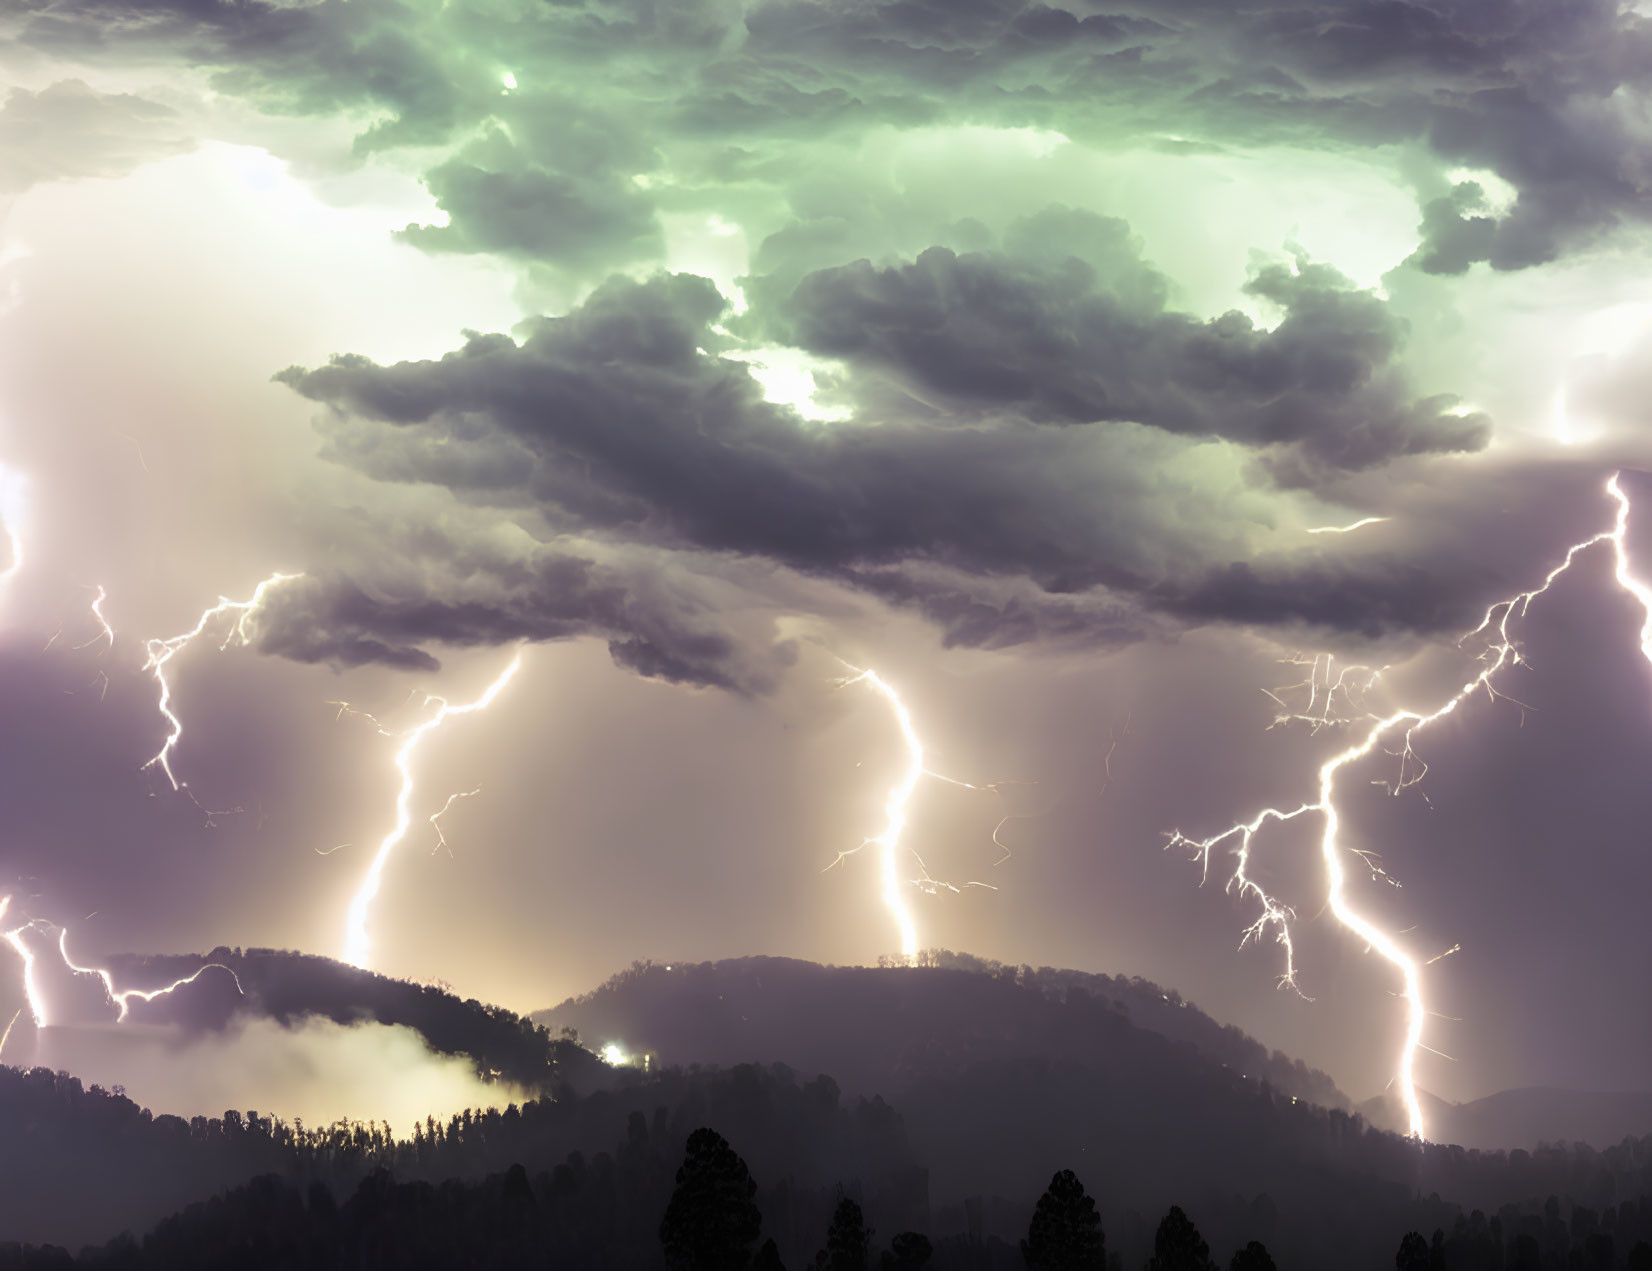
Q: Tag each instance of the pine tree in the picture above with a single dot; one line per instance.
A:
(1178, 1246)
(1253, 1257)
(1066, 1231)
(711, 1222)
(848, 1241)
(1413, 1253)
(908, 1251)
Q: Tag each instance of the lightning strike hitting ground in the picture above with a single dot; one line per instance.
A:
(162, 652)
(6, 1036)
(1501, 650)
(31, 991)
(356, 944)
(888, 841)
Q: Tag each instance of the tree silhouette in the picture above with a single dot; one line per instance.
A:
(768, 1258)
(1413, 1252)
(848, 1241)
(711, 1221)
(908, 1251)
(1178, 1246)
(1065, 1234)
(1640, 1257)
(1528, 1256)
(1253, 1257)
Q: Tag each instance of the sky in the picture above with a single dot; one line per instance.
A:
(706, 352)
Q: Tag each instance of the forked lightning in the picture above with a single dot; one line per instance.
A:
(888, 840)
(122, 999)
(1402, 726)
(161, 652)
(356, 943)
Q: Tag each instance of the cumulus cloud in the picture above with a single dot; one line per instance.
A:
(1045, 445)
(621, 420)
(1070, 325)
(653, 625)
(617, 418)
(557, 189)
(69, 131)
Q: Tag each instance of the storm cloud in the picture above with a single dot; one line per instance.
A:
(460, 596)
(1083, 335)
(620, 420)
(1542, 95)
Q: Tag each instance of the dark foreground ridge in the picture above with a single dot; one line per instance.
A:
(1002, 1082)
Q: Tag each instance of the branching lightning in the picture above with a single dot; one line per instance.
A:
(1330, 701)
(105, 631)
(122, 999)
(161, 652)
(436, 818)
(356, 943)
(31, 991)
(888, 841)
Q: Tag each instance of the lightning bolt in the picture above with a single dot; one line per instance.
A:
(1501, 651)
(436, 818)
(356, 943)
(6, 1036)
(1349, 529)
(31, 990)
(1620, 562)
(105, 632)
(161, 652)
(120, 998)
(888, 841)
(123, 998)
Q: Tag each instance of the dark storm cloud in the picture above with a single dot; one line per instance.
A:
(620, 419)
(1084, 335)
(612, 418)
(1456, 233)
(1369, 598)
(980, 613)
(1544, 94)
(556, 187)
(463, 598)
(70, 131)
(534, 213)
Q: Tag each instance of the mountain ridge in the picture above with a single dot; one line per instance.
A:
(725, 996)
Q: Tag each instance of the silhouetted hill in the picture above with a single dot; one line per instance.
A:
(911, 1024)
(288, 987)
(82, 1163)
(1527, 1118)
(998, 1079)
(1320, 1188)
